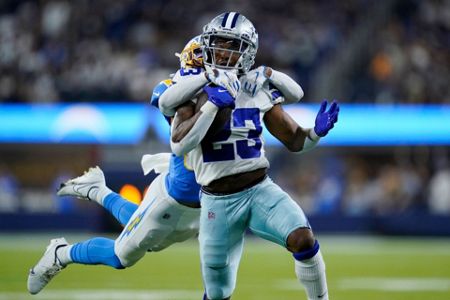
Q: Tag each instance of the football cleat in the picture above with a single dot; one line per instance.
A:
(85, 185)
(47, 267)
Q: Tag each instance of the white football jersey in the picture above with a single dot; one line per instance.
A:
(239, 146)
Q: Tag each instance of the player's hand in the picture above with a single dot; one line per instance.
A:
(219, 96)
(325, 120)
(255, 79)
(276, 96)
(225, 79)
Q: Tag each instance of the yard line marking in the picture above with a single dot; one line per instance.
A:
(390, 284)
(103, 294)
(395, 284)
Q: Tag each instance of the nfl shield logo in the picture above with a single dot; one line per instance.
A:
(211, 215)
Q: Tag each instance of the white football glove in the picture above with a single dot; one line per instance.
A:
(254, 80)
(225, 79)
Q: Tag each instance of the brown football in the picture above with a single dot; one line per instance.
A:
(222, 116)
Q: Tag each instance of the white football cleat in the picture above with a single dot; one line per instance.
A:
(47, 267)
(91, 181)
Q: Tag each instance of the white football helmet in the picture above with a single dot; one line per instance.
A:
(192, 54)
(229, 41)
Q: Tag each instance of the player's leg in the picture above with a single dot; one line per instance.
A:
(185, 223)
(92, 186)
(158, 222)
(59, 254)
(276, 217)
(222, 228)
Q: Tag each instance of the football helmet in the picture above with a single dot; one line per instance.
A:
(192, 54)
(229, 41)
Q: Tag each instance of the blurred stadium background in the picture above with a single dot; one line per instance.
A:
(75, 80)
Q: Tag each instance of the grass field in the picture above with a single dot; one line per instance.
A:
(357, 268)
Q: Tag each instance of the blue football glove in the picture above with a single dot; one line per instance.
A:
(325, 119)
(219, 96)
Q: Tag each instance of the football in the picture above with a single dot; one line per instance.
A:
(222, 116)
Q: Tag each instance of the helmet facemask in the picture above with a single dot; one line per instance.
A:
(225, 52)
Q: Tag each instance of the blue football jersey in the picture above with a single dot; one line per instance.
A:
(180, 181)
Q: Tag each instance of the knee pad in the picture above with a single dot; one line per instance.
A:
(126, 260)
(128, 256)
(216, 294)
(219, 283)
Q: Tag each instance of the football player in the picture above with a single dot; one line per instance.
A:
(154, 225)
(231, 167)
(169, 212)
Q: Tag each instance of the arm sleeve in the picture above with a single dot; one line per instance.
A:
(290, 89)
(310, 141)
(181, 92)
(197, 132)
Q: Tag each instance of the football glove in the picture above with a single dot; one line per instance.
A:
(219, 96)
(325, 120)
(225, 79)
(254, 80)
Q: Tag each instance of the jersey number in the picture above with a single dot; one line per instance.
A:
(190, 71)
(221, 152)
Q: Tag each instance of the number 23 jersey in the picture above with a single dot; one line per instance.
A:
(239, 146)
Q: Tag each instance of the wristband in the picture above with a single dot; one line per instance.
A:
(312, 135)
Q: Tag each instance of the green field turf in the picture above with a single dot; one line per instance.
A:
(357, 268)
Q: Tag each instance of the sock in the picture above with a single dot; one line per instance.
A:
(120, 208)
(98, 194)
(63, 254)
(311, 273)
(94, 252)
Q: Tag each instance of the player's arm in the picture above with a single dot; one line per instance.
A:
(289, 88)
(292, 135)
(184, 90)
(190, 127)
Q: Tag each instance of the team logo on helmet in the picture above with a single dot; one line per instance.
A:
(192, 54)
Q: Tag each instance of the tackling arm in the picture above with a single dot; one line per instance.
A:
(184, 90)
(255, 79)
(290, 89)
